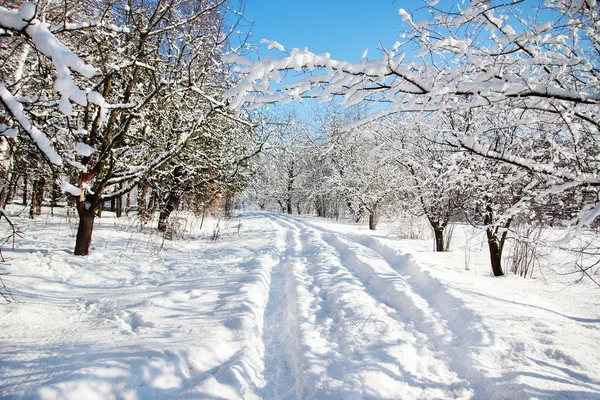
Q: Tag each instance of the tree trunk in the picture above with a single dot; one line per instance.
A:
(127, 202)
(13, 189)
(24, 190)
(229, 202)
(119, 203)
(373, 219)
(495, 244)
(37, 194)
(290, 188)
(142, 198)
(170, 204)
(100, 209)
(119, 206)
(32, 206)
(495, 253)
(55, 195)
(153, 203)
(438, 236)
(87, 212)
(38, 186)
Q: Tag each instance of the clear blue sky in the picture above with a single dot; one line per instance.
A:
(343, 28)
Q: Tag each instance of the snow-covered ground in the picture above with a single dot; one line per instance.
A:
(281, 307)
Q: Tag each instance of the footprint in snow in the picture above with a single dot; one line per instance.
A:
(560, 356)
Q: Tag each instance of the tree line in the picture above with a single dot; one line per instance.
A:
(489, 111)
(101, 98)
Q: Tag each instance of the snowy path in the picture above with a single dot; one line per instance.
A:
(279, 307)
(376, 337)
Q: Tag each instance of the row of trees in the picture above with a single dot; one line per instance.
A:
(102, 97)
(485, 112)
(510, 86)
(397, 165)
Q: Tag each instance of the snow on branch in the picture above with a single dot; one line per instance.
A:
(64, 60)
(16, 111)
(536, 65)
(24, 22)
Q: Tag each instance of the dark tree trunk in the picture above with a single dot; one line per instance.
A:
(169, 206)
(119, 206)
(38, 187)
(142, 199)
(495, 242)
(298, 210)
(113, 204)
(290, 188)
(55, 195)
(438, 234)
(24, 190)
(229, 202)
(86, 211)
(495, 252)
(127, 202)
(100, 209)
(37, 194)
(153, 203)
(9, 188)
(13, 189)
(319, 207)
(373, 219)
(4, 196)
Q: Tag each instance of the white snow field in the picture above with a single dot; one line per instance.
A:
(281, 307)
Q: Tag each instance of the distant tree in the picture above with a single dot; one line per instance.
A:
(435, 174)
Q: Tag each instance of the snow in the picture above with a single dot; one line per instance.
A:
(96, 98)
(8, 132)
(84, 150)
(64, 60)
(404, 14)
(40, 139)
(27, 11)
(283, 307)
(66, 187)
(272, 44)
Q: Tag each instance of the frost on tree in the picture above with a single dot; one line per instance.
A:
(484, 57)
(105, 129)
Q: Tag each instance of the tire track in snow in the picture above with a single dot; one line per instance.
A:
(309, 346)
(280, 354)
(375, 353)
(470, 336)
(450, 328)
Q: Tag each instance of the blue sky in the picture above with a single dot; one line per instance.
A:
(342, 28)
